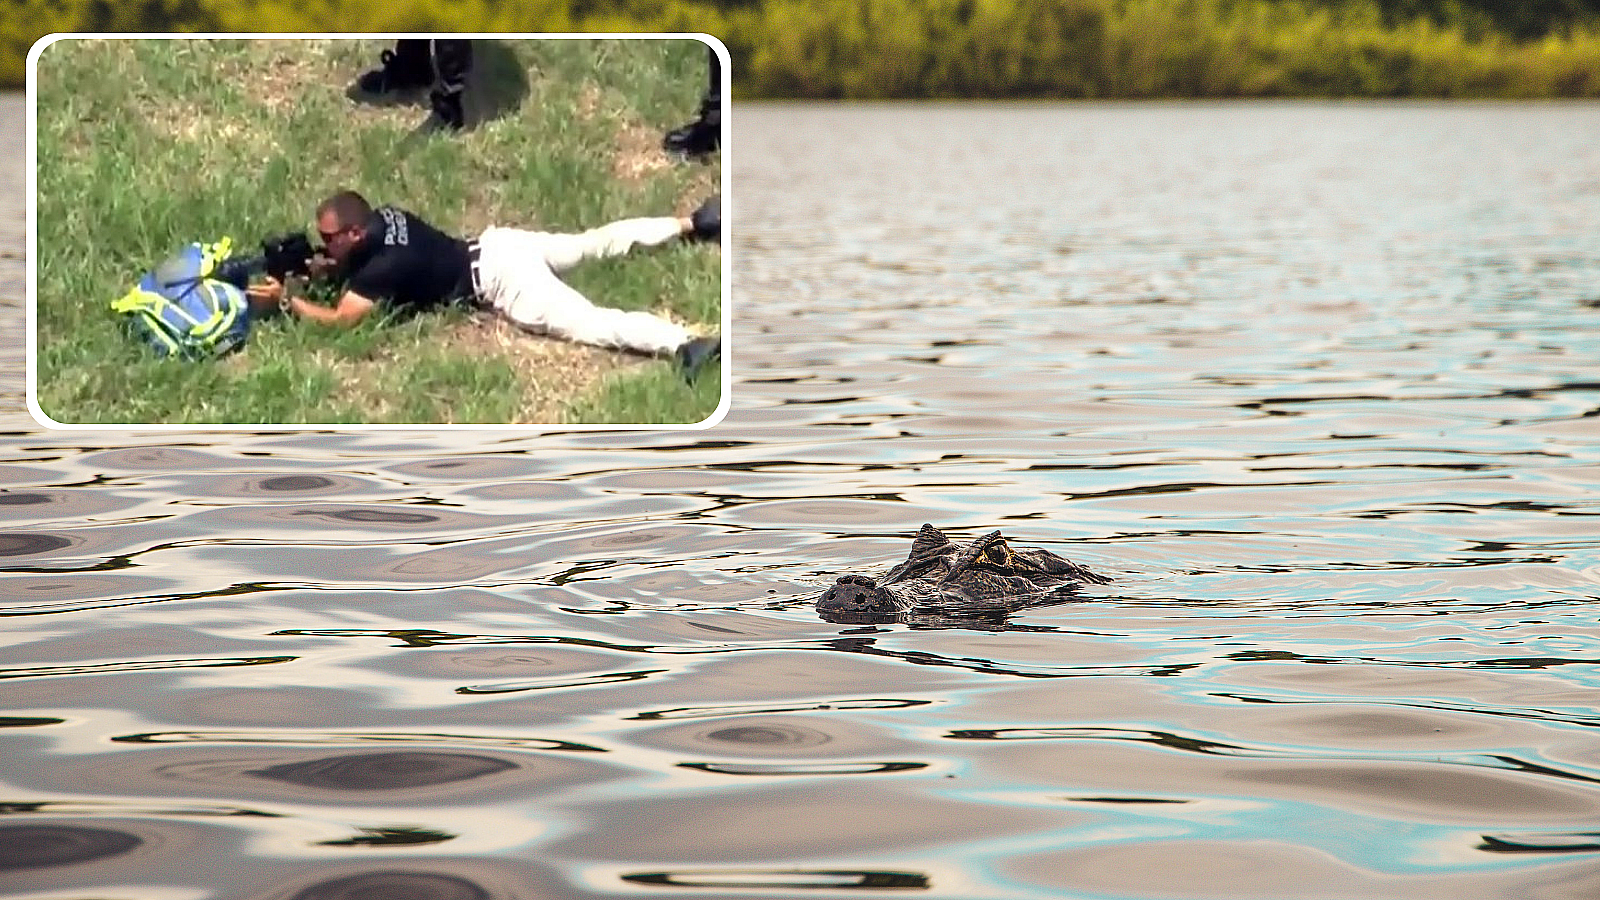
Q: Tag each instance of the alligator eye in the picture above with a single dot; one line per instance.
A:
(995, 553)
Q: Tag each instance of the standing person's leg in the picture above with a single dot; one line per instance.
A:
(704, 134)
(452, 63)
(711, 106)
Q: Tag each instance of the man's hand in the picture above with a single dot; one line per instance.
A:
(321, 265)
(268, 291)
(266, 297)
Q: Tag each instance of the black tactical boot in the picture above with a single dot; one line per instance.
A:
(447, 115)
(698, 138)
(707, 220)
(704, 135)
(405, 68)
(695, 353)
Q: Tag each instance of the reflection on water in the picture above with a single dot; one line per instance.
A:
(38, 846)
(781, 879)
(297, 483)
(1313, 383)
(384, 771)
(398, 885)
(31, 544)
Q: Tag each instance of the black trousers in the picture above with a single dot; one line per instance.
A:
(711, 107)
(449, 59)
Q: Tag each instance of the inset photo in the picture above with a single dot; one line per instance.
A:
(247, 231)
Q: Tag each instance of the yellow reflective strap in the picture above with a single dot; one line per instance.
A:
(222, 314)
(213, 253)
(156, 329)
(138, 299)
(204, 328)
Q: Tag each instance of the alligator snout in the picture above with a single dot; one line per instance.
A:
(850, 592)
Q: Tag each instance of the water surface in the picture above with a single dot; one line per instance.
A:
(1314, 383)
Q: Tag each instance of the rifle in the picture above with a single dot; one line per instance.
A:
(280, 257)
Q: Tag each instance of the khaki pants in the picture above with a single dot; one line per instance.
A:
(518, 272)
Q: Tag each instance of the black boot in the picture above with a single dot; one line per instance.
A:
(701, 137)
(405, 68)
(704, 135)
(447, 115)
(695, 353)
(707, 220)
(452, 63)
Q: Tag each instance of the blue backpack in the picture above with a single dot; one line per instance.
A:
(183, 312)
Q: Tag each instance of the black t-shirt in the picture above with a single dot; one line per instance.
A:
(404, 262)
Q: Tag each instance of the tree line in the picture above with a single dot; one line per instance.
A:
(896, 49)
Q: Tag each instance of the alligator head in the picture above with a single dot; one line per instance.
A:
(944, 578)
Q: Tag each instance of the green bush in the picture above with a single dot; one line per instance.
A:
(986, 48)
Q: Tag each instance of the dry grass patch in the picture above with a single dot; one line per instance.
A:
(366, 384)
(210, 133)
(588, 102)
(552, 371)
(638, 153)
(279, 78)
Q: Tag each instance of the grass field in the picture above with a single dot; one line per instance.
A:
(144, 145)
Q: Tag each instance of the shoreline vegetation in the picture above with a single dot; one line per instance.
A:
(982, 49)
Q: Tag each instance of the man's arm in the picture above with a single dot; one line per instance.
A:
(351, 308)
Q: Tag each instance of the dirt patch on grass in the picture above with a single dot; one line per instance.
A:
(552, 372)
(272, 76)
(589, 98)
(638, 154)
(211, 132)
(366, 385)
(283, 72)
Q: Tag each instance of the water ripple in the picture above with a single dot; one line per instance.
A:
(351, 738)
(1322, 407)
(41, 846)
(139, 666)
